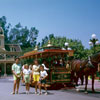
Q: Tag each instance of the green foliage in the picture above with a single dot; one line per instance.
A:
(76, 45)
(18, 34)
(23, 36)
(27, 39)
(5, 26)
(97, 49)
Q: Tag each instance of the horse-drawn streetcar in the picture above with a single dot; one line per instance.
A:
(55, 58)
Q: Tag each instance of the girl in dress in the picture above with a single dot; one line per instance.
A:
(27, 78)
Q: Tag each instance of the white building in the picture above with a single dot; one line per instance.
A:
(8, 52)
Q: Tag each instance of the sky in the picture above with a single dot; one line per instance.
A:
(75, 19)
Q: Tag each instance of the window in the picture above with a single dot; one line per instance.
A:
(13, 49)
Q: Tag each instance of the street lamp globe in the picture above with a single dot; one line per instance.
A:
(63, 49)
(66, 44)
(93, 36)
(97, 42)
(69, 49)
(90, 43)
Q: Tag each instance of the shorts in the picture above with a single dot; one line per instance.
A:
(16, 78)
(27, 78)
(36, 78)
(43, 81)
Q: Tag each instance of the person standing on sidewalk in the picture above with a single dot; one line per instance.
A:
(27, 77)
(16, 70)
(42, 80)
(36, 74)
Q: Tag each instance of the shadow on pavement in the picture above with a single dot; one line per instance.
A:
(96, 92)
(34, 93)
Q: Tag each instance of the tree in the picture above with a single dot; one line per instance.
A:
(23, 36)
(5, 27)
(33, 34)
(76, 45)
(27, 38)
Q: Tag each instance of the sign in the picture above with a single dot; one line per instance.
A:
(70, 53)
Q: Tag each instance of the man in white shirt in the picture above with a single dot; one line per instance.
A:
(16, 70)
(44, 65)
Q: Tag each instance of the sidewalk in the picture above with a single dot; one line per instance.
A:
(96, 86)
(80, 87)
(6, 77)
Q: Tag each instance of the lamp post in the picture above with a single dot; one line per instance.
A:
(66, 45)
(93, 42)
(67, 48)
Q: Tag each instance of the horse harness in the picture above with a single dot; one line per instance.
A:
(89, 64)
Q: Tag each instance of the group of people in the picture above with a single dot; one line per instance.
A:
(37, 73)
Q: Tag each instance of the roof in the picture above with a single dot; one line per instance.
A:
(46, 53)
(16, 47)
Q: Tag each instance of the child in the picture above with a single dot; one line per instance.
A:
(27, 78)
(43, 76)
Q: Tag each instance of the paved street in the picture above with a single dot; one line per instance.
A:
(69, 94)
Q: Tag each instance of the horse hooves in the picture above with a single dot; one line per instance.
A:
(86, 92)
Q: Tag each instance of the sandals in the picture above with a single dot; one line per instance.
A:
(12, 93)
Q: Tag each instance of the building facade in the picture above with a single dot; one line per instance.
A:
(8, 52)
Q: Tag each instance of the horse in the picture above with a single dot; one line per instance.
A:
(77, 67)
(81, 68)
(90, 69)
